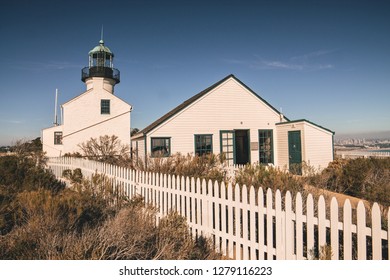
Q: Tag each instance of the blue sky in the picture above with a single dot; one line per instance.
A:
(325, 61)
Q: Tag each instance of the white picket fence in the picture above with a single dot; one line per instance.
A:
(249, 224)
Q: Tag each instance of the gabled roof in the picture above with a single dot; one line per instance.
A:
(195, 98)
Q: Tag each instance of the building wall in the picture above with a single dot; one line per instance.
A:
(319, 147)
(138, 147)
(48, 146)
(227, 107)
(82, 118)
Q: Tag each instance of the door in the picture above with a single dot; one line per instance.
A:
(227, 145)
(241, 140)
(295, 152)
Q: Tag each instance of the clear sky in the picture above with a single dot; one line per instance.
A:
(325, 61)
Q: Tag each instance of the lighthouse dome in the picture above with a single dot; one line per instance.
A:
(101, 48)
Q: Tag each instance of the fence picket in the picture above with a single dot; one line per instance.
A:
(289, 229)
(376, 232)
(321, 223)
(260, 226)
(334, 228)
(237, 222)
(299, 226)
(270, 238)
(309, 224)
(217, 216)
(223, 219)
(230, 226)
(347, 230)
(361, 231)
(280, 246)
(244, 224)
(252, 219)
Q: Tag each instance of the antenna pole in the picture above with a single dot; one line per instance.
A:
(55, 109)
(101, 34)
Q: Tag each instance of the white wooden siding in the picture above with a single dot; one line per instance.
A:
(48, 142)
(318, 147)
(227, 107)
(138, 146)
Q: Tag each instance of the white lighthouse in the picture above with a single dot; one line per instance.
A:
(93, 113)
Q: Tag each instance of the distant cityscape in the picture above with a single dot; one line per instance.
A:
(362, 143)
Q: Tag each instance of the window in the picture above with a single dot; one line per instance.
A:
(161, 147)
(58, 138)
(227, 145)
(105, 106)
(266, 149)
(203, 144)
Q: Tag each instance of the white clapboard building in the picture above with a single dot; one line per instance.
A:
(94, 113)
(231, 119)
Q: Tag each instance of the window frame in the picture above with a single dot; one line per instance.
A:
(103, 107)
(167, 154)
(58, 137)
(203, 151)
(270, 159)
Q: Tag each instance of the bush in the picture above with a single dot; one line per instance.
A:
(365, 178)
(208, 166)
(268, 177)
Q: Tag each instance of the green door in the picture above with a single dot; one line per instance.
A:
(295, 152)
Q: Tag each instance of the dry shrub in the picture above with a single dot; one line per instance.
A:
(268, 177)
(130, 234)
(208, 166)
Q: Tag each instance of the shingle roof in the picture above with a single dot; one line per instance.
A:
(193, 99)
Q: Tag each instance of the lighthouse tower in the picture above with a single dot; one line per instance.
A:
(101, 68)
(93, 113)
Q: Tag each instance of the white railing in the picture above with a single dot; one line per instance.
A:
(245, 223)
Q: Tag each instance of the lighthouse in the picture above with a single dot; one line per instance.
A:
(93, 113)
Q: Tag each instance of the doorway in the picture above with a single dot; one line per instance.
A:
(295, 152)
(241, 139)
